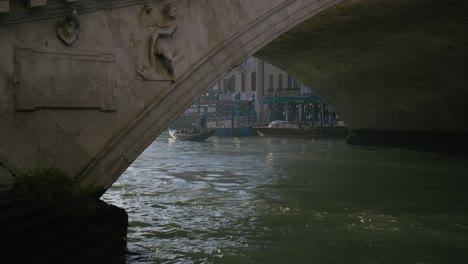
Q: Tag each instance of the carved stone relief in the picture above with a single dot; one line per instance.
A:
(68, 30)
(64, 79)
(156, 47)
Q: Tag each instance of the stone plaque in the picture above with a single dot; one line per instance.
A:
(63, 80)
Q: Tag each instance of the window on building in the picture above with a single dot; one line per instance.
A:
(233, 84)
(225, 85)
(243, 82)
(270, 82)
(290, 82)
(295, 85)
(280, 81)
(253, 79)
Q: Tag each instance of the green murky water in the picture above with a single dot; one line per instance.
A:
(272, 200)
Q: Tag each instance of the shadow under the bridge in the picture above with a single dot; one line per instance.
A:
(37, 233)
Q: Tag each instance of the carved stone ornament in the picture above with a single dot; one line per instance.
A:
(157, 60)
(68, 30)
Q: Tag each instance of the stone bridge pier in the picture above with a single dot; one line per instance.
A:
(86, 86)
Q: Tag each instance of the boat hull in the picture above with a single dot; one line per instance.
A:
(287, 132)
(175, 134)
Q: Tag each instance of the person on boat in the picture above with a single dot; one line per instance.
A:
(202, 122)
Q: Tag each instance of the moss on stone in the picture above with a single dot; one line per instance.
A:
(54, 189)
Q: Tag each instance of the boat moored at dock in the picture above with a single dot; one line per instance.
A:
(281, 128)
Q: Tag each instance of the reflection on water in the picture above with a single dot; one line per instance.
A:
(272, 200)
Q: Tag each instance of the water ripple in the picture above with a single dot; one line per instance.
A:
(268, 200)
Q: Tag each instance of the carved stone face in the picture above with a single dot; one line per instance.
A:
(68, 30)
(148, 9)
(172, 13)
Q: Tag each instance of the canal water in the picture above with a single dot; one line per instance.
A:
(276, 200)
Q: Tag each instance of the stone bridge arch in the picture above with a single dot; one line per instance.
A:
(83, 103)
(89, 101)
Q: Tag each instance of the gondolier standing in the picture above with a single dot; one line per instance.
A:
(202, 122)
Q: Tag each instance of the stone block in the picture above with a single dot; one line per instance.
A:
(35, 3)
(4, 6)
(71, 0)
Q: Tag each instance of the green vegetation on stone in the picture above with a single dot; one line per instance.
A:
(54, 189)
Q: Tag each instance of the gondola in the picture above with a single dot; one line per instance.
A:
(178, 135)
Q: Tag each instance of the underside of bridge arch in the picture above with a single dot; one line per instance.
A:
(395, 71)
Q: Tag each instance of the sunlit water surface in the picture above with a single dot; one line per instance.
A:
(273, 200)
